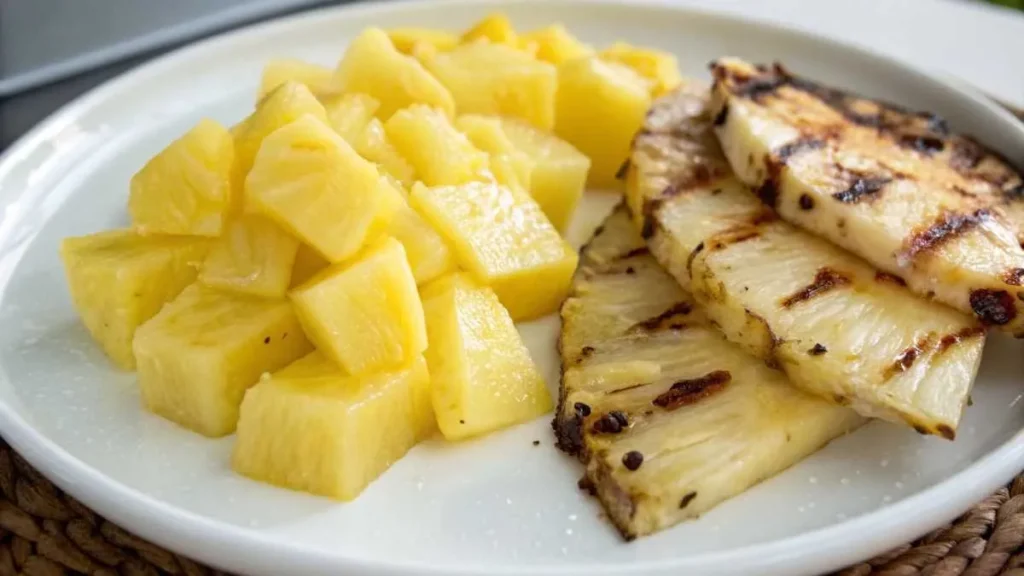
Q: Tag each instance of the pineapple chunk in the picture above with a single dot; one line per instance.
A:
(119, 280)
(202, 351)
(277, 72)
(349, 114)
(372, 65)
(554, 44)
(661, 68)
(308, 263)
(504, 239)
(406, 40)
(253, 256)
(428, 253)
(365, 315)
(509, 165)
(438, 152)
(494, 28)
(313, 428)
(286, 104)
(496, 79)
(600, 107)
(373, 144)
(482, 376)
(186, 188)
(310, 181)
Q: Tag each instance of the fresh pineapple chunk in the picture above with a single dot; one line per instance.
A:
(489, 78)
(317, 78)
(661, 68)
(482, 376)
(373, 144)
(509, 165)
(494, 28)
(201, 352)
(407, 39)
(366, 314)
(118, 280)
(438, 152)
(311, 427)
(600, 107)
(308, 263)
(349, 114)
(503, 238)
(372, 65)
(428, 253)
(253, 256)
(186, 188)
(554, 44)
(312, 183)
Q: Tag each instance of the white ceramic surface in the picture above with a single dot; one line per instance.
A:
(493, 506)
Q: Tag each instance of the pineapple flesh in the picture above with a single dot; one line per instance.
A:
(661, 68)
(374, 145)
(437, 151)
(202, 351)
(313, 428)
(350, 114)
(407, 39)
(504, 240)
(669, 417)
(318, 79)
(482, 376)
(833, 324)
(554, 44)
(253, 256)
(119, 280)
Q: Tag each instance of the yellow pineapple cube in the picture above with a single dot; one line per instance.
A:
(554, 44)
(374, 145)
(313, 428)
(349, 114)
(201, 352)
(509, 165)
(308, 263)
(503, 238)
(253, 256)
(186, 188)
(277, 72)
(495, 28)
(660, 67)
(309, 181)
(373, 66)
(365, 314)
(407, 39)
(486, 78)
(601, 106)
(119, 279)
(438, 152)
(482, 376)
(427, 251)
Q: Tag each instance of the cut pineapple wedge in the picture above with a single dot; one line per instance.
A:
(186, 188)
(197, 357)
(482, 377)
(407, 39)
(349, 114)
(374, 145)
(600, 107)
(438, 152)
(493, 28)
(660, 67)
(427, 251)
(311, 182)
(308, 263)
(503, 238)
(830, 322)
(669, 417)
(506, 162)
(311, 427)
(118, 280)
(373, 66)
(277, 72)
(554, 44)
(253, 256)
(487, 78)
(365, 314)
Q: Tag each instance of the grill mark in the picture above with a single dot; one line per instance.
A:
(687, 392)
(804, 144)
(632, 254)
(825, 280)
(650, 223)
(623, 170)
(692, 256)
(862, 189)
(947, 227)
(906, 358)
(728, 238)
(966, 155)
(756, 87)
(922, 143)
(1014, 277)
(722, 115)
(890, 278)
(628, 388)
(993, 307)
(655, 322)
(950, 340)
(687, 499)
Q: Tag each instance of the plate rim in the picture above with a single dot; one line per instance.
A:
(212, 541)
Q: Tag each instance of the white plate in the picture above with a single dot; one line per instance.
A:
(493, 506)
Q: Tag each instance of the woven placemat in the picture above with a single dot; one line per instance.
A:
(44, 532)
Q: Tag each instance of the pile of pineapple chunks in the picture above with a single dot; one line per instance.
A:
(337, 276)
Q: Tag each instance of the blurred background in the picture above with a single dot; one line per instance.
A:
(53, 50)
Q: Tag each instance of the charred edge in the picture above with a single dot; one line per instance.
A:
(654, 322)
(618, 503)
(623, 170)
(825, 280)
(722, 115)
(587, 485)
(993, 307)
(947, 227)
(650, 210)
(692, 256)
(946, 432)
(758, 86)
(768, 192)
(921, 430)
(966, 154)
(613, 422)
(1014, 277)
(686, 392)
(950, 340)
(818, 350)
(687, 499)
(805, 144)
(806, 202)
(569, 432)
(862, 189)
(925, 144)
(889, 278)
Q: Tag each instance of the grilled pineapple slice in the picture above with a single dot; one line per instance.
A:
(830, 322)
(879, 182)
(669, 417)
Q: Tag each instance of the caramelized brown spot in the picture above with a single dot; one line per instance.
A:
(686, 392)
(692, 256)
(768, 192)
(655, 322)
(946, 432)
(687, 499)
(611, 423)
(890, 278)
(586, 351)
(632, 460)
(923, 143)
(630, 270)
(806, 202)
(817, 350)
(945, 228)
(633, 253)
(722, 115)
(1014, 277)
(921, 429)
(862, 189)
(950, 340)
(993, 307)
(825, 280)
(729, 238)
(805, 144)
(582, 410)
(649, 217)
(587, 485)
(966, 155)
(840, 399)
(623, 170)
(906, 359)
